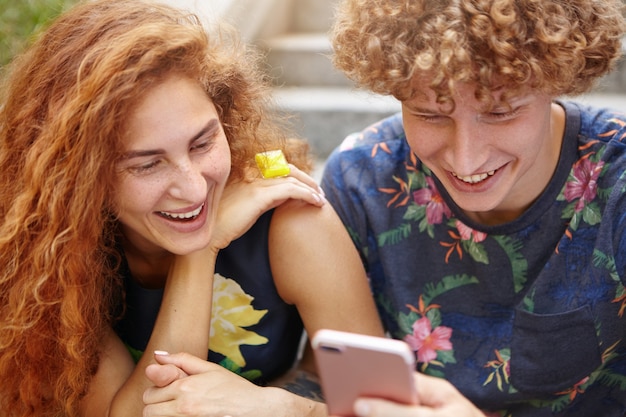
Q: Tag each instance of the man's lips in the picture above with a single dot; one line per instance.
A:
(475, 178)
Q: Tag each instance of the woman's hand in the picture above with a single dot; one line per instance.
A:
(243, 202)
(437, 398)
(189, 386)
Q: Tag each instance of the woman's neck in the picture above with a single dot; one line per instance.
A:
(150, 270)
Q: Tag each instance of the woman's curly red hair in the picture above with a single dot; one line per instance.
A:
(555, 46)
(64, 110)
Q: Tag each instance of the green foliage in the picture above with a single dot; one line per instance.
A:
(21, 20)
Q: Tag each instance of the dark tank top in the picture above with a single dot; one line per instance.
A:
(253, 331)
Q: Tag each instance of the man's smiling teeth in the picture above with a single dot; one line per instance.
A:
(473, 179)
(183, 216)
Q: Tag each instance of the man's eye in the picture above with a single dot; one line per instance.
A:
(504, 114)
(429, 117)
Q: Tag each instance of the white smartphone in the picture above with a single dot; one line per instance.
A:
(352, 365)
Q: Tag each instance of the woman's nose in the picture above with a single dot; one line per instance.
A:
(188, 182)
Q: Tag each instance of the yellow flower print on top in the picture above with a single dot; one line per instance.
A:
(232, 311)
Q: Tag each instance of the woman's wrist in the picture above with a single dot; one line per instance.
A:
(293, 405)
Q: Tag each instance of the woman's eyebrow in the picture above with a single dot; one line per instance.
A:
(210, 128)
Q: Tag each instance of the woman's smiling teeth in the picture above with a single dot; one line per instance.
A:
(473, 179)
(183, 216)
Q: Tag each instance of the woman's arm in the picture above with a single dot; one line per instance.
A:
(114, 368)
(317, 268)
(182, 324)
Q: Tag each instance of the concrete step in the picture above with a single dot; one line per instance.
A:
(326, 115)
(615, 82)
(302, 59)
(312, 15)
(599, 98)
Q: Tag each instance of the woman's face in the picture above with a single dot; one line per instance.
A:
(174, 167)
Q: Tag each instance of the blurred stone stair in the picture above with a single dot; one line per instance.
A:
(325, 106)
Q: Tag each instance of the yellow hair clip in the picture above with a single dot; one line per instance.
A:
(272, 164)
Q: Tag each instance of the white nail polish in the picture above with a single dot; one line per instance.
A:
(361, 408)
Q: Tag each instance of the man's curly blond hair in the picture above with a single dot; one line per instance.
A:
(558, 47)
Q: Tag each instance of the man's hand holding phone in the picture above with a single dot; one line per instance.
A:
(352, 365)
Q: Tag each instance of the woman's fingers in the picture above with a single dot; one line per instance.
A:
(297, 186)
(169, 369)
(243, 202)
(186, 362)
(305, 178)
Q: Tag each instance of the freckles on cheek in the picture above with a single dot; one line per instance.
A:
(222, 167)
(134, 197)
(225, 172)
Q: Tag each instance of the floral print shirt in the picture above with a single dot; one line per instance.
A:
(525, 318)
(253, 331)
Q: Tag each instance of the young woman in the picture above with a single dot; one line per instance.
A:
(127, 143)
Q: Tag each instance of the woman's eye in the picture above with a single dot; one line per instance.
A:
(144, 168)
(202, 145)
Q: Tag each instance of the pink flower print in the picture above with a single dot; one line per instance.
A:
(467, 233)
(436, 208)
(426, 342)
(584, 185)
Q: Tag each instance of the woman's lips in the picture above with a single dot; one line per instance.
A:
(190, 215)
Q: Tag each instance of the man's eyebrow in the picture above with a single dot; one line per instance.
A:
(210, 128)
(418, 109)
